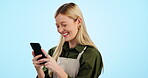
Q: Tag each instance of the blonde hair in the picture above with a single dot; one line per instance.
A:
(72, 10)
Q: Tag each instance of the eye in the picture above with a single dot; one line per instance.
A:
(64, 25)
(58, 26)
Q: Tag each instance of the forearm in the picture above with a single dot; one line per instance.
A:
(40, 73)
(61, 73)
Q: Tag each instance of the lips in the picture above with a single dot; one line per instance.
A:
(65, 34)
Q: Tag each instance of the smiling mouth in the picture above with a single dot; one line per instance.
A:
(65, 34)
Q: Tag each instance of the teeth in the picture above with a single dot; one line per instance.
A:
(65, 34)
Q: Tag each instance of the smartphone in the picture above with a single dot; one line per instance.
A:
(37, 50)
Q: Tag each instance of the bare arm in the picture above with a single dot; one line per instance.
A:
(40, 73)
(38, 66)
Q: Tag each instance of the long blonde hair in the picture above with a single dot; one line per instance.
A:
(72, 10)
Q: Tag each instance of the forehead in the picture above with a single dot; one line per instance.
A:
(62, 18)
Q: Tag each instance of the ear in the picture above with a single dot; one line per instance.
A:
(79, 21)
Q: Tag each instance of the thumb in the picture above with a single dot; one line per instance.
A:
(33, 54)
(46, 54)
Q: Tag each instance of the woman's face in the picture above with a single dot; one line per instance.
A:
(67, 27)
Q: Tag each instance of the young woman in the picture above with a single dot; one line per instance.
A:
(75, 56)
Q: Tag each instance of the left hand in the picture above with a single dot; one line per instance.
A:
(51, 64)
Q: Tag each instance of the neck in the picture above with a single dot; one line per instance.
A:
(72, 43)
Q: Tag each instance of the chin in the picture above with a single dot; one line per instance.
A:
(67, 40)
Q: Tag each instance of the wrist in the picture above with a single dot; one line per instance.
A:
(38, 68)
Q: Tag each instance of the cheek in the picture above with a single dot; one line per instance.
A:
(75, 31)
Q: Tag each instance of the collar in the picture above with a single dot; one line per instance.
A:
(78, 47)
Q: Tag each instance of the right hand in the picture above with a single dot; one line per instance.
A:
(36, 63)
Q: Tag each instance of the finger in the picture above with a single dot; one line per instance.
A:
(43, 60)
(47, 65)
(33, 54)
(36, 63)
(46, 54)
(36, 57)
(44, 51)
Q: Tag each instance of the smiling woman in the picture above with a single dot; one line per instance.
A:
(67, 27)
(76, 56)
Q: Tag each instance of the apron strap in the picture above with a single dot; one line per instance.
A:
(79, 56)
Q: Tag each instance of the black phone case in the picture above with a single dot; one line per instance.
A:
(37, 50)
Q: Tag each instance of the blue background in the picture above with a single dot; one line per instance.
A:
(118, 27)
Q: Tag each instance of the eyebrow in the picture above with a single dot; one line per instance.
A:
(61, 22)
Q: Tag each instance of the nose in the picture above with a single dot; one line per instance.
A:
(60, 29)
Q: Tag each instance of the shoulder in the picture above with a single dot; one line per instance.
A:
(91, 54)
(91, 58)
(51, 51)
(92, 51)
